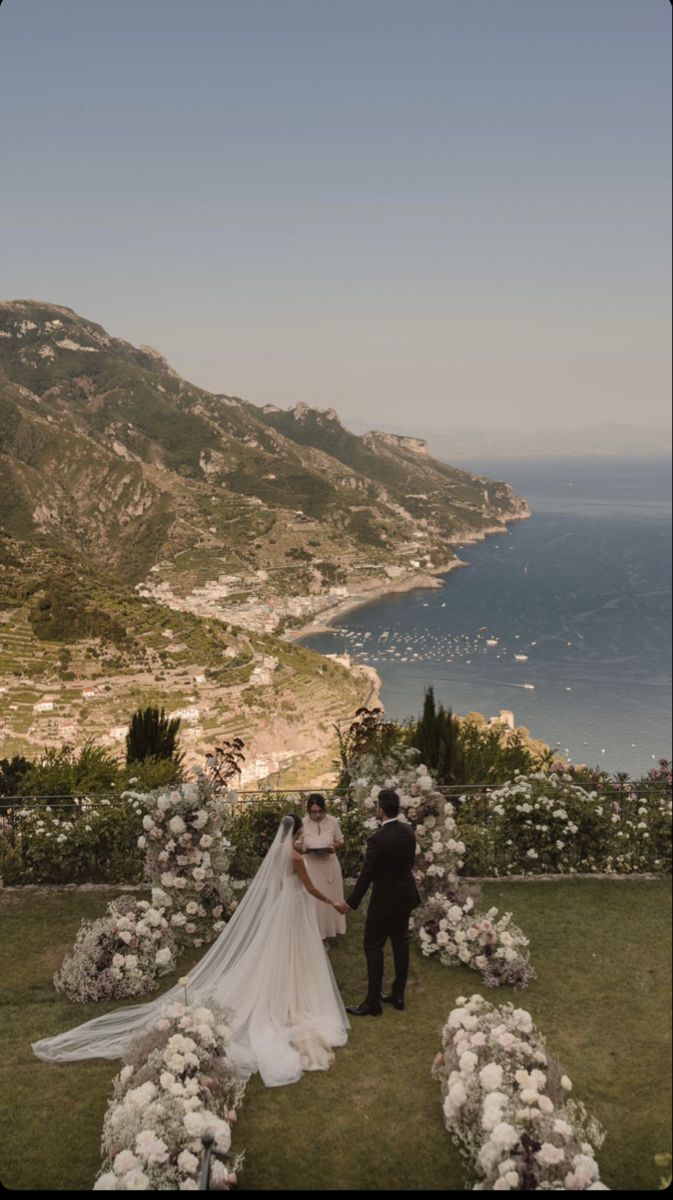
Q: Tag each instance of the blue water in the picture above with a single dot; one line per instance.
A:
(583, 588)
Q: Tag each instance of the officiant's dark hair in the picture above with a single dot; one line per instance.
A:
(315, 798)
(389, 801)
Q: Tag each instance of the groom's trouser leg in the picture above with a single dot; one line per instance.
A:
(376, 934)
(399, 940)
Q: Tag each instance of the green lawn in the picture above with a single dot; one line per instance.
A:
(602, 1000)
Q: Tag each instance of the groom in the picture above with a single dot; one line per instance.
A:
(387, 866)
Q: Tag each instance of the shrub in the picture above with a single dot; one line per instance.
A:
(68, 773)
(547, 823)
(461, 751)
(84, 842)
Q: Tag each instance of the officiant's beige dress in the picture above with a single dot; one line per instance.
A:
(325, 871)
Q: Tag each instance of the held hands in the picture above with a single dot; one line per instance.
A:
(342, 907)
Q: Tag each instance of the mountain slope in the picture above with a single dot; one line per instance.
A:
(80, 651)
(204, 501)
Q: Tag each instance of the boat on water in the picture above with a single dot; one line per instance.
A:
(492, 641)
(529, 686)
(521, 657)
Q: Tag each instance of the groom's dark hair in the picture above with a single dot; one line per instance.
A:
(389, 801)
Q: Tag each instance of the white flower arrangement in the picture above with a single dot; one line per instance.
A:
(121, 954)
(185, 848)
(506, 1103)
(177, 1084)
(458, 936)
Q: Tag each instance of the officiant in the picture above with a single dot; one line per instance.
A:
(319, 841)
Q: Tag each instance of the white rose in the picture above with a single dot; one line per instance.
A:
(468, 1062)
(504, 1136)
(125, 1161)
(549, 1155)
(188, 1162)
(522, 1020)
(136, 1181)
(490, 1077)
(193, 1123)
(106, 1183)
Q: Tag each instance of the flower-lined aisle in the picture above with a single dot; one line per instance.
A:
(176, 1085)
(507, 1103)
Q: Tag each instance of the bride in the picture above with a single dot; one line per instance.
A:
(268, 967)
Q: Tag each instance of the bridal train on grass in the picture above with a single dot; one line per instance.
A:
(268, 967)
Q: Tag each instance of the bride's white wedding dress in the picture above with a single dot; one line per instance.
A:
(268, 967)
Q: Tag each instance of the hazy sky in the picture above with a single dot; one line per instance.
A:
(431, 210)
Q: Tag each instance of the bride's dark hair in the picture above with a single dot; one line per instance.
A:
(296, 822)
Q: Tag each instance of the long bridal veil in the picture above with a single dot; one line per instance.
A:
(268, 967)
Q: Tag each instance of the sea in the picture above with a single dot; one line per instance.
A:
(580, 592)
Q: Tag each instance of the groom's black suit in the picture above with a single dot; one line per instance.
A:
(387, 866)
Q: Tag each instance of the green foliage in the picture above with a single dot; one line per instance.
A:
(146, 774)
(548, 824)
(368, 736)
(464, 752)
(332, 575)
(12, 771)
(62, 614)
(78, 843)
(66, 773)
(253, 828)
(361, 525)
(152, 735)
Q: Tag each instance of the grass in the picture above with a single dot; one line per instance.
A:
(602, 1000)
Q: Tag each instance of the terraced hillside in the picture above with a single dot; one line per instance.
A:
(78, 653)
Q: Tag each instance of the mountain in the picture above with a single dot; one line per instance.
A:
(204, 501)
(154, 537)
(610, 439)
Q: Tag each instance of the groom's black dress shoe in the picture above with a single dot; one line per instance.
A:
(363, 1010)
(396, 1002)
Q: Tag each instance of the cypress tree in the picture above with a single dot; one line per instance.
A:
(152, 735)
